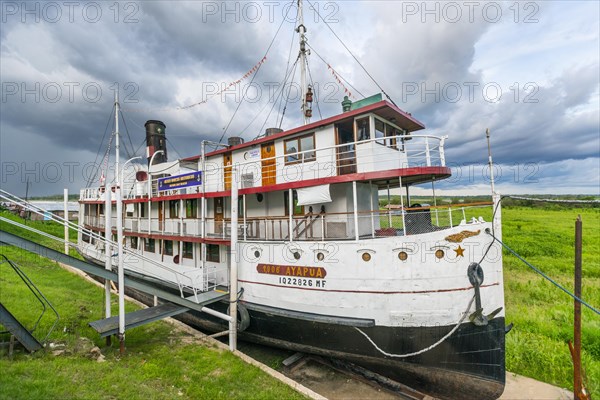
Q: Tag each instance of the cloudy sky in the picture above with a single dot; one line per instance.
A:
(527, 70)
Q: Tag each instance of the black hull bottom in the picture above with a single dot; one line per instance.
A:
(468, 365)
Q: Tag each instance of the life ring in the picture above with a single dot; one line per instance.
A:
(243, 320)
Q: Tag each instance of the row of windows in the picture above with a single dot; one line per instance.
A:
(212, 250)
(384, 133)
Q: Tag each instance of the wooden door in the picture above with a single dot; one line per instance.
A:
(161, 215)
(346, 152)
(219, 212)
(227, 170)
(269, 169)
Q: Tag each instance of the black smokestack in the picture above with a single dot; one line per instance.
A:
(156, 140)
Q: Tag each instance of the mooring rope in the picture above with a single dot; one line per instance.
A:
(558, 285)
(416, 353)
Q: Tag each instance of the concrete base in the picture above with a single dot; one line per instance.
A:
(520, 387)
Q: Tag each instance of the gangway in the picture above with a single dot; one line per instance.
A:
(200, 298)
(177, 304)
(14, 326)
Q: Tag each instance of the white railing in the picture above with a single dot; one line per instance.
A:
(377, 154)
(317, 226)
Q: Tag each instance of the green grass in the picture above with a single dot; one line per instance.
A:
(543, 314)
(160, 362)
(51, 227)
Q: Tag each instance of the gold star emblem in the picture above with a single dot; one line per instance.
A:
(460, 251)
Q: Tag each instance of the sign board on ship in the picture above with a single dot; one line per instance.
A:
(180, 181)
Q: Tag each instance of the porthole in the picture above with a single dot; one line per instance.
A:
(320, 256)
(256, 253)
(366, 257)
(296, 255)
(403, 256)
(259, 197)
(439, 253)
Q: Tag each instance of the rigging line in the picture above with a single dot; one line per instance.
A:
(558, 285)
(275, 102)
(336, 72)
(255, 75)
(287, 69)
(264, 106)
(89, 182)
(352, 54)
(139, 147)
(171, 143)
(315, 93)
(287, 96)
(128, 136)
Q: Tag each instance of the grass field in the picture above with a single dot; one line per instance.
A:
(542, 314)
(536, 346)
(160, 362)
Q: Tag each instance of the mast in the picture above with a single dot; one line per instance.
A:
(306, 106)
(117, 148)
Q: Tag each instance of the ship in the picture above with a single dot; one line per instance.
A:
(326, 264)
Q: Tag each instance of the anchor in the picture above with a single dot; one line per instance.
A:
(475, 274)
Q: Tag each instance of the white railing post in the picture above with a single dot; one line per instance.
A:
(427, 155)
(450, 216)
(402, 211)
(442, 154)
(291, 213)
(354, 204)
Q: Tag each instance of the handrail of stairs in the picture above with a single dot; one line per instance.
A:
(38, 295)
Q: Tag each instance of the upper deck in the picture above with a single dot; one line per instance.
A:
(373, 143)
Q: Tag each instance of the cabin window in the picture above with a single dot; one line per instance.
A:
(101, 209)
(174, 208)
(191, 208)
(300, 149)
(188, 250)
(168, 247)
(379, 132)
(298, 210)
(142, 210)
(149, 245)
(212, 253)
(133, 242)
(362, 129)
(86, 238)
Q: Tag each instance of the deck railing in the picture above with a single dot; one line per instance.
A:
(316, 227)
(377, 154)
